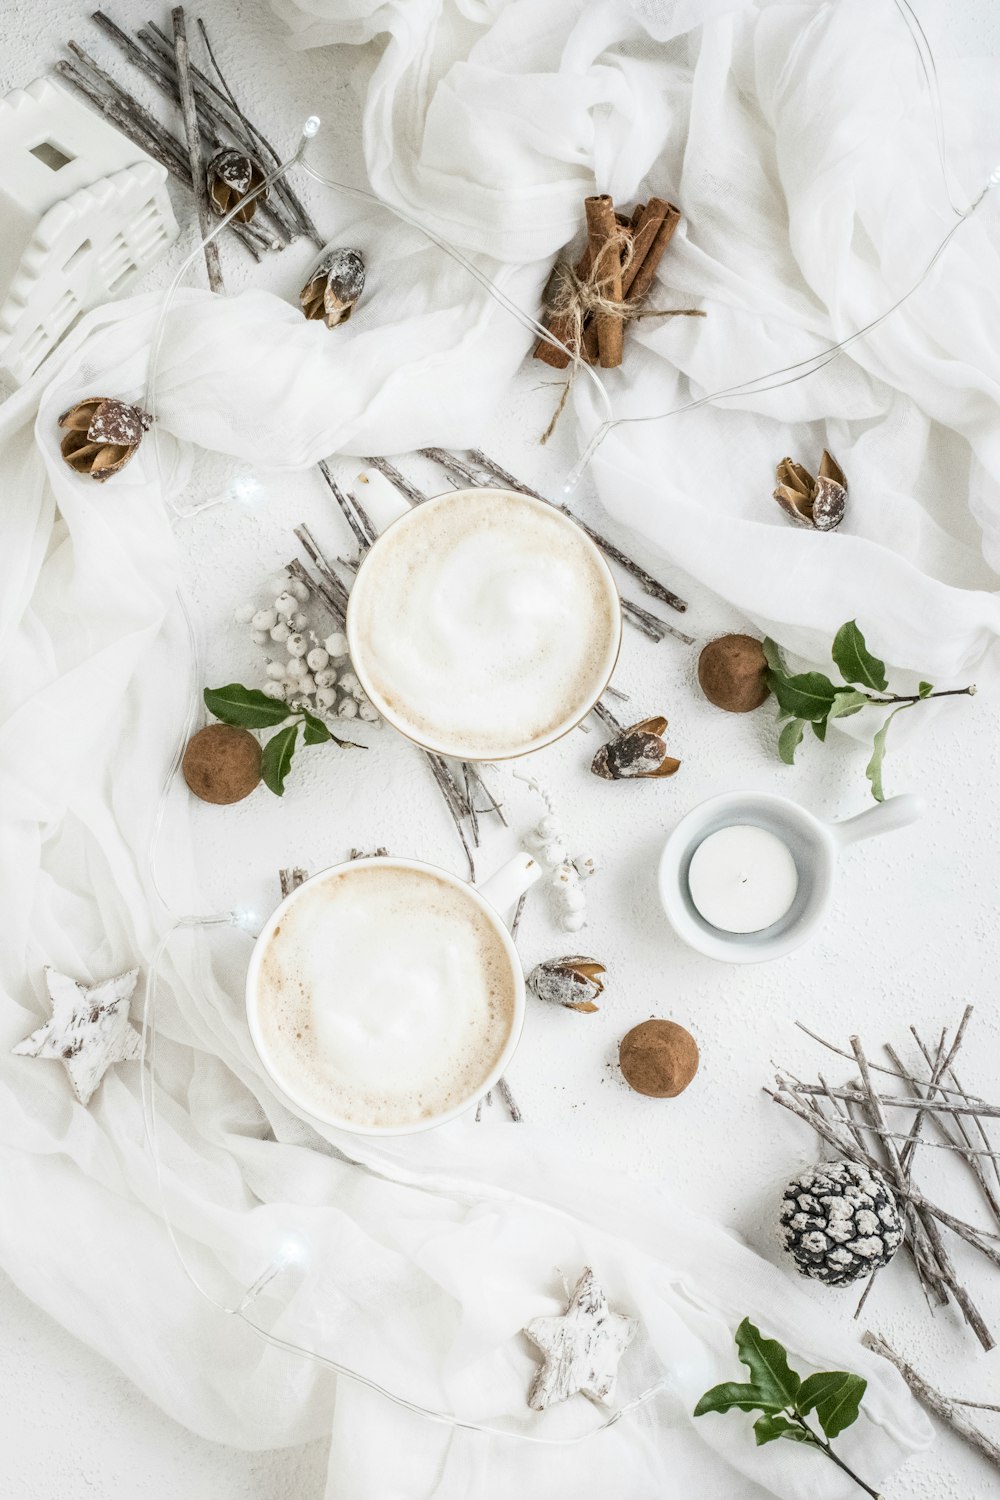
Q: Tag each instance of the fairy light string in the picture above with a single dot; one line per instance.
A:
(293, 1249)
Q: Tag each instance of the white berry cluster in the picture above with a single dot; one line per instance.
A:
(566, 873)
(306, 671)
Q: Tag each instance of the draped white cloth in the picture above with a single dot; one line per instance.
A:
(794, 136)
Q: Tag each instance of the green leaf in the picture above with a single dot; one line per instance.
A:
(770, 1426)
(835, 1396)
(767, 1362)
(732, 1394)
(848, 701)
(808, 695)
(277, 758)
(790, 739)
(772, 655)
(873, 770)
(855, 661)
(925, 689)
(251, 709)
(316, 732)
(819, 729)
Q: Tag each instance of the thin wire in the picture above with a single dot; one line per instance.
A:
(930, 72)
(147, 1091)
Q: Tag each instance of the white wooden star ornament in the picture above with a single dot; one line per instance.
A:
(89, 1030)
(582, 1347)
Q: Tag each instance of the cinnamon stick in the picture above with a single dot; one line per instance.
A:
(652, 229)
(562, 326)
(605, 258)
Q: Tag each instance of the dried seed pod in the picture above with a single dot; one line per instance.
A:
(102, 433)
(574, 982)
(637, 752)
(231, 176)
(819, 503)
(334, 287)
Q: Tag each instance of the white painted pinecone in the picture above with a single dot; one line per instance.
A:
(840, 1222)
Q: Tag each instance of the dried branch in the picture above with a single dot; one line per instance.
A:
(291, 879)
(940, 1405)
(333, 585)
(351, 508)
(513, 1109)
(402, 484)
(189, 115)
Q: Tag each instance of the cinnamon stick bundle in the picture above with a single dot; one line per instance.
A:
(651, 228)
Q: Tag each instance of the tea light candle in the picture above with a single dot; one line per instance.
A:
(742, 878)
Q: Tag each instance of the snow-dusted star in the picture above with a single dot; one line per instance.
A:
(582, 1347)
(89, 1031)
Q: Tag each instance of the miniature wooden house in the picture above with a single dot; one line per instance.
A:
(82, 212)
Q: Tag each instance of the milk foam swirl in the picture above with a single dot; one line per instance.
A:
(484, 623)
(385, 996)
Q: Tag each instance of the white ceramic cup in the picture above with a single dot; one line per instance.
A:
(493, 896)
(367, 579)
(814, 845)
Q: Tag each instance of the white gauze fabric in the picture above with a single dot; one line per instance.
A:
(811, 197)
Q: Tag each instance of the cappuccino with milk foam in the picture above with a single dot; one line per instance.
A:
(484, 623)
(385, 996)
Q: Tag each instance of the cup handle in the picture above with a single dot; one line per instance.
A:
(510, 881)
(897, 812)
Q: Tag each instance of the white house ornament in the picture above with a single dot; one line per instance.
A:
(89, 1030)
(582, 1347)
(82, 213)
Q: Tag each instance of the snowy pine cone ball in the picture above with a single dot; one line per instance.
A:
(840, 1222)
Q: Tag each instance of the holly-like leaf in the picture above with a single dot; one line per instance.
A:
(277, 759)
(790, 739)
(772, 655)
(848, 701)
(855, 662)
(731, 1394)
(315, 732)
(247, 707)
(807, 695)
(873, 770)
(767, 1362)
(774, 1425)
(835, 1396)
(925, 689)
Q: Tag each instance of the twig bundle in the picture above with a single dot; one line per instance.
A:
(854, 1121)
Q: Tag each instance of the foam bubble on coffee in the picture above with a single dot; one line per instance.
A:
(484, 622)
(385, 996)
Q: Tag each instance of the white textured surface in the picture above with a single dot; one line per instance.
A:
(912, 935)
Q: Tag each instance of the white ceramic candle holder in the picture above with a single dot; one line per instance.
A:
(813, 844)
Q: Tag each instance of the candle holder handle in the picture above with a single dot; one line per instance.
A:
(897, 812)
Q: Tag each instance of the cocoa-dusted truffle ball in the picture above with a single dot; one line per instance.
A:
(222, 763)
(658, 1058)
(732, 673)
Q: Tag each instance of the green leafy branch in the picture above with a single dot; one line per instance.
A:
(810, 698)
(251, 709)
(785, 1400)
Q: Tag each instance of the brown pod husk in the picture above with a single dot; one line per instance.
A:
(222, 763)
(658, 1058)
(819, 503)
(636, 753)
(574, 982)
(102, 434)
(732, 673)
(232, 176)
(334, 287)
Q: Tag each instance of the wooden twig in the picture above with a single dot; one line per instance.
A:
(875, 1067)
(318, 589)
(964, 1137)
(940, 1405)
(471, 804)
(352, 510)
(477, 779)
(189, 114)
(281, 186)
(899, 1101)
(402, 484)
(454, 801)
(651, 624)
(515, 920)
(291, 879)
(503, 1089)
(601, 711)
(334, 585)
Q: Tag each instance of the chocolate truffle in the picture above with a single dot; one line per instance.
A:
(658, 1058)
(222, 763)
(732, 672)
